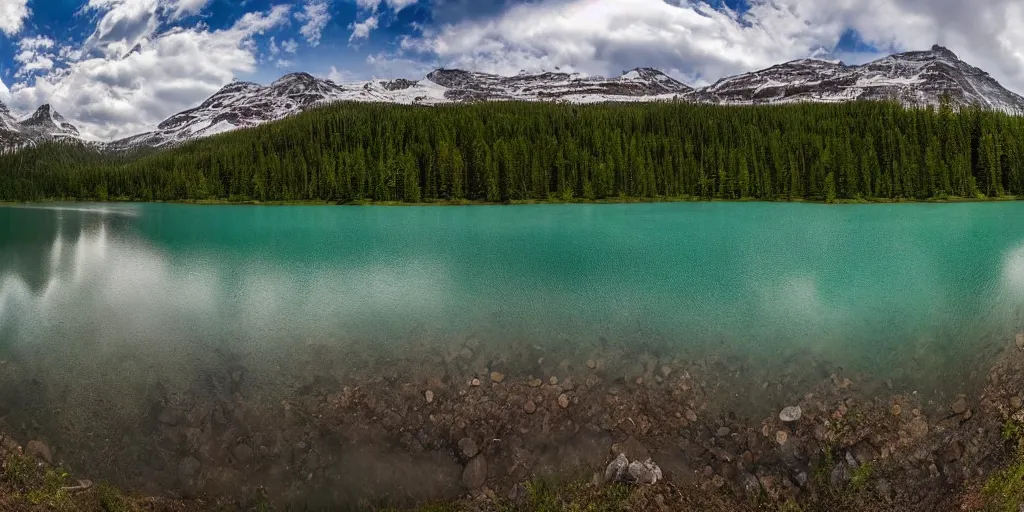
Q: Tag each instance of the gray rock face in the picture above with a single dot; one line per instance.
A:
(919, 78)
(43, 125)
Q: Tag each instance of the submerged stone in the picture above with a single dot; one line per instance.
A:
(475, 474)
(468, 447)
(39, 450)
(791, 414)
(959, 406)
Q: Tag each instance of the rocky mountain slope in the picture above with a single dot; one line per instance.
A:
(912, 78)
(244, 104)
(44, 124)
(917, 78)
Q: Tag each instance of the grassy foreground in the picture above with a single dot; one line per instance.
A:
(29, 485)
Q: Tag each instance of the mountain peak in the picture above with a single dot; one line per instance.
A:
(135, 49)
(291, 78)
(942, 50)
(47, 123)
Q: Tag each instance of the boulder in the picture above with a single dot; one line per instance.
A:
(646, 472)
(617, 468)
(475, 474)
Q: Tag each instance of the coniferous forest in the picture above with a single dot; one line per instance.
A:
(506, 152)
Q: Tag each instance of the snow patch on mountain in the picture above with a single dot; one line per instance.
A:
(916, 79)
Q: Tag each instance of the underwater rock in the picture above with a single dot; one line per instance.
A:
(475, 473)
(468, 447)
(39, 450)
(959, 406)
(791, 414)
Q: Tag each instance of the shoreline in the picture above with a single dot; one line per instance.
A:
(483, 436)
(656, 200)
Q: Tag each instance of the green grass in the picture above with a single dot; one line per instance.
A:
(861, 475)
(1004, 490)
(576, 496)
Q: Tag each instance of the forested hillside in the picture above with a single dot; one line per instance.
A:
(499, 152)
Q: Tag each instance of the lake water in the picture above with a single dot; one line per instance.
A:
(100, 302)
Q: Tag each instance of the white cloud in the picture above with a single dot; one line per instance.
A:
(374, 5)
(35, 43)
(338, 76)
(388, 66)
(12, 16)
(704, 44)
(110, 97)
(180, 8)
(290, 46)
(33, 56)
(315, 17)
(362, 30)
(124, 24)
(282, 63)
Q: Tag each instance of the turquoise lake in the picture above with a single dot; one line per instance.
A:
(909, 289)
(141, 341)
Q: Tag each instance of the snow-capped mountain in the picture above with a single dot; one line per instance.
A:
(244, 104)
(47, 123)
(44, 124)
(912, 78)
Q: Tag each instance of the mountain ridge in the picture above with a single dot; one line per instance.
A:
(914, 78)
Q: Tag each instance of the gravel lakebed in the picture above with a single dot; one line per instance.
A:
(479, 432)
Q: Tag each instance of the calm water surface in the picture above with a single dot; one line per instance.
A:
(867, 286)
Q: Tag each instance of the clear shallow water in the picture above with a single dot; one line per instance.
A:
(870, 287)
(111, 315)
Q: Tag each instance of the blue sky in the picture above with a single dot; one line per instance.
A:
(72, 53)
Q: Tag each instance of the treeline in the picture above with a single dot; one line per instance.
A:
(501, 152)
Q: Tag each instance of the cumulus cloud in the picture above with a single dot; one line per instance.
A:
(124, 24)
(338, 76)
(315, 17)
(111, 97)
(12, 16)
(290, 46)
(362, 30)
(702, 43)
(374, 5)
(33, 55)
(180, 8)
